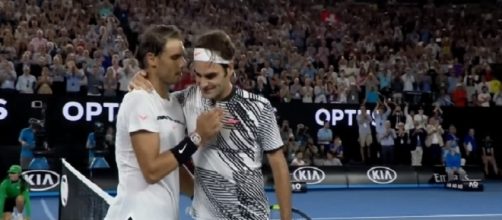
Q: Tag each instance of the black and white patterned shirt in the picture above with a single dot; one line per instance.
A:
(228, 179)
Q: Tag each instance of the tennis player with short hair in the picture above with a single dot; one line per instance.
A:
(228, 178)
(150, 142)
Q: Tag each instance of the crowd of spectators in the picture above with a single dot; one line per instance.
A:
(288, 51)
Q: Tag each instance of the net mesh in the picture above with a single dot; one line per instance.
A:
(81, 198)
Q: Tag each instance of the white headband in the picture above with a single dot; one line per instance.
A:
(205, 55)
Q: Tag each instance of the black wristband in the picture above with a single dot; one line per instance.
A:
(184, 150)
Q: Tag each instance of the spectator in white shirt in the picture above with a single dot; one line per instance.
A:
(484, 97)
(26, 82)
(408, 80)
(298, 160)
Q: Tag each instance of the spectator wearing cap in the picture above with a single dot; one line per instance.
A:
(14, 195)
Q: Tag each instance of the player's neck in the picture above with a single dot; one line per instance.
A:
(160, 87)
(227, 94)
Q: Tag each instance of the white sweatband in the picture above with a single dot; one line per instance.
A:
(205, 55)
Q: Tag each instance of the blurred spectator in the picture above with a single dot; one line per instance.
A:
(381, 114)
(286, 132)
(484, 97)
(325, 136)
(386, 140)
(365, 138)
(402, 145)
(336, 148)
(417, 136)
(290, 147)
(471, 147)
(110, 83)
(298, 160)
(421, 118)
(451, 141)
(75, 78)
(44, 82)
(125, 74)
(453, 165)
(8, 76)
(26, 82)
(331, 160)
(433, 143)
(58, 71)
(497, 98)
(397, 117)
(459, 96)
(488, 156)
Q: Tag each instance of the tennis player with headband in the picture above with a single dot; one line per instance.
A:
(228, 179)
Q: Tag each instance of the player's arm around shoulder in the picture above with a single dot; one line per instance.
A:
(144, 131)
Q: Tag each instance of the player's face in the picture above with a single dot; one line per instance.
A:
(13, 176)
(171, 61)
(212, 79)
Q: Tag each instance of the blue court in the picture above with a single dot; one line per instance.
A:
(361, 204)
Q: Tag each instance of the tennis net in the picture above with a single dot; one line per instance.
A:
(80, 198)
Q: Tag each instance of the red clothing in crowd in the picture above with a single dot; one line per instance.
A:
(459, 97)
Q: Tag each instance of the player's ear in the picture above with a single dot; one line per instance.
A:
(230, 70)
(152, 60)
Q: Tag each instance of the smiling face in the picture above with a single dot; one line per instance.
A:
(213, 64)
(213, 79)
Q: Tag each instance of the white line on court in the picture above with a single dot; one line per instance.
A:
(47, 211)
(409, 216)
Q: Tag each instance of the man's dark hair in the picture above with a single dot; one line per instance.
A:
(153, 41)
(219, 42)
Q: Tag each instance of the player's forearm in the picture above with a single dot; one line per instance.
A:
(160, 167)
(280, 172)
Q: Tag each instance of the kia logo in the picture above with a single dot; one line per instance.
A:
(309, 175)
(381, 175)
(41, 180)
